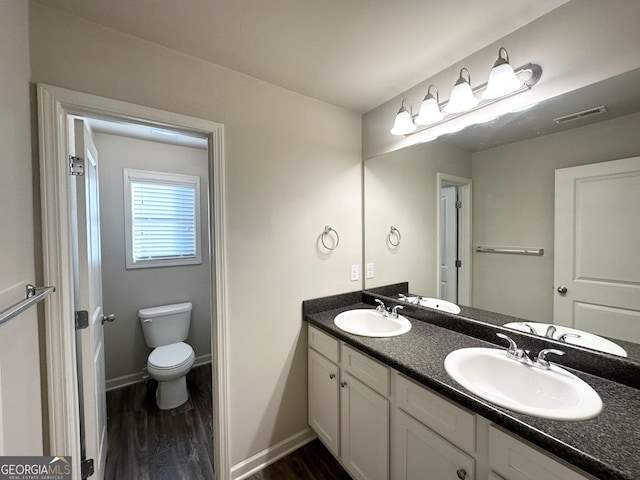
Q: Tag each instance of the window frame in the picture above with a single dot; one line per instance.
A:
(134, 175)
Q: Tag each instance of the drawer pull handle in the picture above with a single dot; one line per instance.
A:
(343, 384)
(332, 376)
(462, 473)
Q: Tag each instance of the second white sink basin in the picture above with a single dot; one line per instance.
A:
(583, 339)
(555, 393)
(435, 303)
(369, 323)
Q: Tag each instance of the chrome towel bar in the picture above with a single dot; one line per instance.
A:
(511, 250)
(34, 295)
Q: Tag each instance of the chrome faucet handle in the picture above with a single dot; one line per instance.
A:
(541, 360)
(550, 331)
(394, 311)
(513, 347)
(529, 327)
(381, 309)
(564, 336)
(514, 352)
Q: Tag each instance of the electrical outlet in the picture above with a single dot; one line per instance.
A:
(369, 270)
(355, 272)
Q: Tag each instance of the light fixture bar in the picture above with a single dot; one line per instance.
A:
(535, 71)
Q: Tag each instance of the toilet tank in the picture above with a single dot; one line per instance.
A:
(165, 324)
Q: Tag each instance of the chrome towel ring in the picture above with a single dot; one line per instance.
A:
(327, 231)
(394, 233)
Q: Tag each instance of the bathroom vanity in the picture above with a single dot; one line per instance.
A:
(387, 409)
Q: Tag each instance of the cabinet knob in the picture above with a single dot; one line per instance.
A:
(332, 376)
(343, 384)
(462, 473)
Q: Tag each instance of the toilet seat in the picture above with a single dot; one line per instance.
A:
(172, 356)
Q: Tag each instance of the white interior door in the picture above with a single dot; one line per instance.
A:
(597, 226)
(448, 244)
(88, 295)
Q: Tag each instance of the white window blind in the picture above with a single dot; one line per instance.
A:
(163, 219)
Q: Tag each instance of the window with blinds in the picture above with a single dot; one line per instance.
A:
(162, 219)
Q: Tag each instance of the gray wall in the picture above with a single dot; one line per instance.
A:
(513, 205)
(293, 165)
(20, 394)
(126, 291)
(400, 190)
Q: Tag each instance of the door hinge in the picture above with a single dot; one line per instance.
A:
(86, 468)
(458, 203)
(458, 263)
(76, 166)
(82, 319)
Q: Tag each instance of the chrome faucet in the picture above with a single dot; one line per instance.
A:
(384, 311)
(522, 356)
(381, 309)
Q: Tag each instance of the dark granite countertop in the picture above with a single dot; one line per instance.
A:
(607, 447)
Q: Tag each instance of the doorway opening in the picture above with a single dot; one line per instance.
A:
(56, 105)
(454, 239)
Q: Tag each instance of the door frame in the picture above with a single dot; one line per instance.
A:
(465, 253)
(54, 105)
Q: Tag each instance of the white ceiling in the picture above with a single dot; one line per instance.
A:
(356, 54)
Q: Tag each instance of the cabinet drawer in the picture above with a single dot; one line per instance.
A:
(515, 460)
(442, 416)
(324, 344)
(373, 374)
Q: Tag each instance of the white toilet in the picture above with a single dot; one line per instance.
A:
(165, 328)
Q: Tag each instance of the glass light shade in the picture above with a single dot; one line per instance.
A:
(403, 125)
(429, 111)
(461, 98)
(502, 81)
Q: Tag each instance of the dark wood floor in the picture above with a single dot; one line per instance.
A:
(311, 462)
(146, 443)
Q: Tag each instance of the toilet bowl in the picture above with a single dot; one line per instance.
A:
(165, 328)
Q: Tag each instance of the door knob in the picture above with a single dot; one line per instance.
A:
(108, 318)
(462, 473)
(562, 290)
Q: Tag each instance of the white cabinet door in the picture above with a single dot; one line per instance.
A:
(324, 400)
(365, 430)
(421, 454)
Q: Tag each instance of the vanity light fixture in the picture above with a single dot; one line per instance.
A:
(503, 82)
(461, 98)
(430, 109)
(502, 78)
(403, 124)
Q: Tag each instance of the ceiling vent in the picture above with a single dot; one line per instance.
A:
(579, 115)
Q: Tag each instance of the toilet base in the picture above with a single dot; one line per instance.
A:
(172, 393)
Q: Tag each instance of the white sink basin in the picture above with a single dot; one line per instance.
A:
(586, 339)
(555, 393)
(369, 323)
(435, 303)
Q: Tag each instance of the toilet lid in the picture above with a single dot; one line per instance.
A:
(170, 356)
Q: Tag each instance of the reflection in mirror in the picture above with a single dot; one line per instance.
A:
(510, 165)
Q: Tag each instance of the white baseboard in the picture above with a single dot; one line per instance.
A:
(141, 376)
(270, 455)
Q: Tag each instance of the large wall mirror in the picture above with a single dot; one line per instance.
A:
(493, 186)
